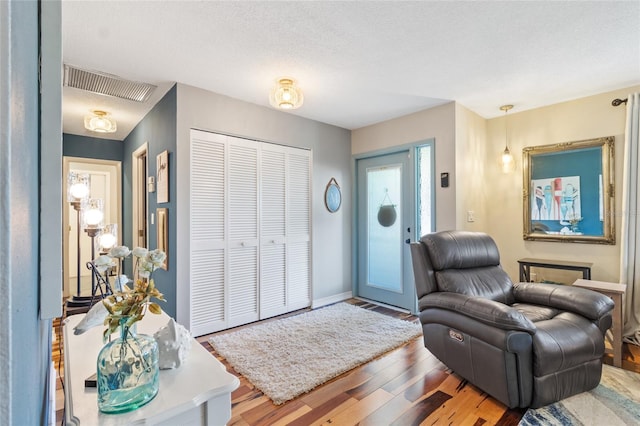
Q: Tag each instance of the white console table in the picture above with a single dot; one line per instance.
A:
(197, 393)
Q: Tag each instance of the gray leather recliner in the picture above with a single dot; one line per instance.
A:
(525, 344)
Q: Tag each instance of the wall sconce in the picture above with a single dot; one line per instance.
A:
(151, 184)
(286, 95)
(507, 158)
(100, 122)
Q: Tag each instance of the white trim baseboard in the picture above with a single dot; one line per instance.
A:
(317, 303)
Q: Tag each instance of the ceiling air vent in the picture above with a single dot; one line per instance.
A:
(106, 84)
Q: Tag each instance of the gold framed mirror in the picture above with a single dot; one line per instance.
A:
(568, 192)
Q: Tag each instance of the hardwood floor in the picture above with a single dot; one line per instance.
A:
(407, 386)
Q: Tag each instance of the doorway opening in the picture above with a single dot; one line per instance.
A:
(139, 196)
(105, 183)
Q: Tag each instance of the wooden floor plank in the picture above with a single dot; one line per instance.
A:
(321, 413)
(267, 413)
(423, 409)
(360, 410)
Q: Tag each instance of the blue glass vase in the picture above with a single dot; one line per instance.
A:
(127, 371)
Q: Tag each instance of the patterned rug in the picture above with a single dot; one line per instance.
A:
(615, 401)
(293, 355)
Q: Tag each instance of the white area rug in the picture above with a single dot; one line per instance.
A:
(614, 402)
(291, 356)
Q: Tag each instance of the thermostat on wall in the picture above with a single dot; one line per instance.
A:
(444, 179)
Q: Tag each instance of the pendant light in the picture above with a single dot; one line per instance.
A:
(507, 157)
(286, 95)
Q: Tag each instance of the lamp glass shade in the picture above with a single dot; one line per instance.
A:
(99, 121)
(77, 186)
(286, 95)
(108, 238)
(507, 161)
(93, 213)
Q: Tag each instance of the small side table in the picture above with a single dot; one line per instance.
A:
(526, 264)
(616, 293)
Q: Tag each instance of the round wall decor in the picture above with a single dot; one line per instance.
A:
(333, 196)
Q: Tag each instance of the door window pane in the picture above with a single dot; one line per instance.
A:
(384, 220)
(425, 184)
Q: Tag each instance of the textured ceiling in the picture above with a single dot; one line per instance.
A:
(357, 62)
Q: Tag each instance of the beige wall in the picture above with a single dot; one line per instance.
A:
(502, 210)
(437, 123)
(471, 149)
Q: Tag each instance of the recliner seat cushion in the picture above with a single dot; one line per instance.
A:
(563, 342)
(536, 313)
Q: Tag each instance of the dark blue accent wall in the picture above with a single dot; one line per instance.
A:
(88, 147)
(158, 128)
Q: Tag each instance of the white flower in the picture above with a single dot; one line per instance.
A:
(144, 273)
(103, 263)
(156, 257)
(120, 252)
(140, 252)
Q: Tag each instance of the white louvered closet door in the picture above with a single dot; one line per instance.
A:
(273, 195)
(250, 231)
(298, 229)
(243, 225)
(207, 228)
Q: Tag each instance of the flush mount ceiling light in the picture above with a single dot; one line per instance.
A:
(507, 157)
(286, 95)
(100, 122)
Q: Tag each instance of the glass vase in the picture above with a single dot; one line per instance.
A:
(127, 371)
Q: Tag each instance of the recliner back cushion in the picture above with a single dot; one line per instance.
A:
(468, 263)
(489, 282)
(461, 250)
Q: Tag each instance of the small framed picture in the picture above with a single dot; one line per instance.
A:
(162, 179)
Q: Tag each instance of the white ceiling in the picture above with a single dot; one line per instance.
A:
(357, 62)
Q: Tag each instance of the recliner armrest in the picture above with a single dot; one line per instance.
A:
(587, 303)
(487, 311)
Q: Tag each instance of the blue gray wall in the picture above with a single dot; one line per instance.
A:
(158, 128)
(25, 340)
(88, 147)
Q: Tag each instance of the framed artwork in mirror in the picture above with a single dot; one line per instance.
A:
(568, 192)
(162, 234)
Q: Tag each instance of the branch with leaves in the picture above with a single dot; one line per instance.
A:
(130, 305)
